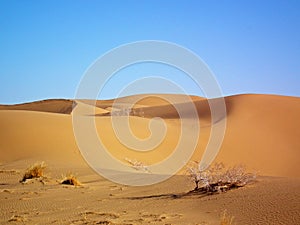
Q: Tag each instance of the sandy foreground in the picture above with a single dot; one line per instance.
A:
(262, 133)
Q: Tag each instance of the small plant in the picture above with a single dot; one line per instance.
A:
(34, 171)
(137, 165)
(226, 219)
(217, 178)
(70, 179)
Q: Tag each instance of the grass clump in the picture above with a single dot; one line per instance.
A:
(34, 171)
(70, 179)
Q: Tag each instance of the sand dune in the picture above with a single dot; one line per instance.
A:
(150, 99)
(262, 133)
(52, 105)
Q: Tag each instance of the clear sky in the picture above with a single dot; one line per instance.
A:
(46, 46)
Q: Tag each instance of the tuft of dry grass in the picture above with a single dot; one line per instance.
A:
(226, 219)
(34, 171)
(70, 179)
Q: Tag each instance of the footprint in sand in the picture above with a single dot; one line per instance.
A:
(10, 171)
(97, 218)
(7, 191)
(150, 217)
(18, 218)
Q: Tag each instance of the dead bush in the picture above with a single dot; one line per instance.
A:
(218, 178)
(137, 165)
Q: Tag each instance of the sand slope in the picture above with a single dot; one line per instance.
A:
(262, 132)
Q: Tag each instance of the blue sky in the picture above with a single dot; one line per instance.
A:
(46, 46)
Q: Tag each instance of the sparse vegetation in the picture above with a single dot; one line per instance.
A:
(70, 179)
(226, 219)
(34, 171)
(137, 165)
(217, 178)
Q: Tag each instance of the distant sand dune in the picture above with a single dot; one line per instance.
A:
(150, 99)
(262, 131)
(52, 105)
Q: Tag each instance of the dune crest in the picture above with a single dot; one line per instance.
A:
(62, 106)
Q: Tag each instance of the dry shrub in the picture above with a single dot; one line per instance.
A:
(137, 165)
(34, 171)
(226, 219)
(70, 179)
(217, 178)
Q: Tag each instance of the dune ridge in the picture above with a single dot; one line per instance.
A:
(63, 106)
